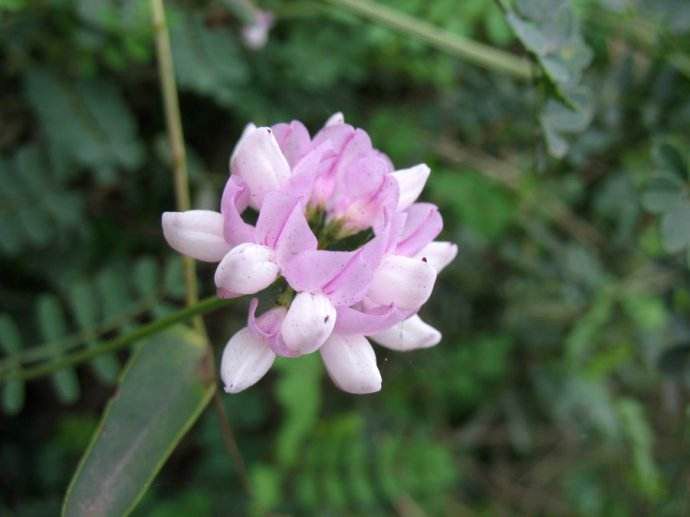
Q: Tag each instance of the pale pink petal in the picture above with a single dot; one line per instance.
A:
(438, 254)
(305, 172)
(249, 128)
(353, 320)
(268, 327)
(423, 224)
(261, 164)
(411, 183)
(233, 203)
(308, 323)
(295, 238)
(351, 364)
(293, 139)
(282, 226)
(196, 233)
(407, 335)
(351, 283)
(310, 270)
(402, 281)
(247, 269)
(246, 359)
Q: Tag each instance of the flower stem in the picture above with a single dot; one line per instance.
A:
(464, 48)
(173, 122)
(207, 305)
(175, 134)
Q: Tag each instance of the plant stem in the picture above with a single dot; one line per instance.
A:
(173, 121)
(464, 48)
(230, 442)
(175, 134)
(207, 305)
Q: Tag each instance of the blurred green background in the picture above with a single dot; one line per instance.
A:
(561, 384)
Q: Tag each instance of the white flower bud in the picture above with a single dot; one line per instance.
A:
(308, 323)
(246, 359)
(351, 364)
(247, 269)
(405, 282)
(259, 161)
(196, 233)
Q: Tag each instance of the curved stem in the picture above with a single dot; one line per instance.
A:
(464, 48)
(207, 305)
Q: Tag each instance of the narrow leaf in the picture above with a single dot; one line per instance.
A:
(166, 385)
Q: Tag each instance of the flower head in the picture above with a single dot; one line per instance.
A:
(315, 197)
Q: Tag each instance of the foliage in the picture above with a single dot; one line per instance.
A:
(561, 384)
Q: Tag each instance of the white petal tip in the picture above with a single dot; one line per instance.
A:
(411, 182)
(246, 359)
(247, 269)
(411, 334)
(351, 364)
(196, 233)
(438, 254)
(308, 324)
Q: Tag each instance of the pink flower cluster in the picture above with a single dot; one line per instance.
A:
(310, 194)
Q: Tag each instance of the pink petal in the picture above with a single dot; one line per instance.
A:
(293, 139)
(246, 359)
(196, 233)
(267, 326)
(283, 227)
(359, 321)
(310, 270)
(423, 224)
(410, 334)
(305, 172)
(351, 364)
(234, 201)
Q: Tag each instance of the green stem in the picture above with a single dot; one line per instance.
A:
(47, 349)
(464, 48)
(209, 304)
(173, 121)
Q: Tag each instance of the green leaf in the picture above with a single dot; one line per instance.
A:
(551, 32)
(669, 159)
(662, 194)
(101, 133)
(207, 60)
(675, 227)
(166, 385)
(51, 321)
